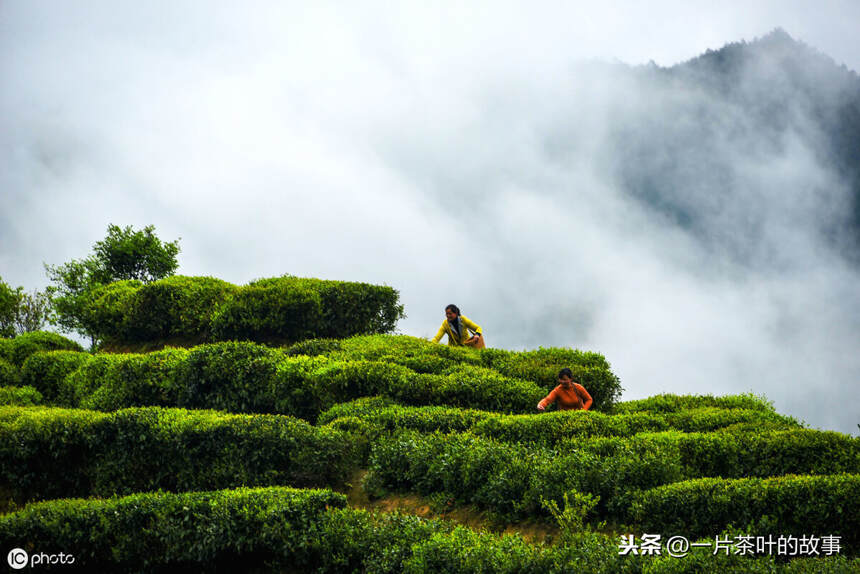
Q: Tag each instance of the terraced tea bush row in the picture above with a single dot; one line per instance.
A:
(54, 453)
(283, 529)
(10, 375)
(507, 478)
(196, 530)
(46, 370)
(21, 396)
(246, 377)
(795, 505)
(540, 366)
(735, 455)
(16, 350)
(510, 478)
(669, 403)
(546, 428)
(201, 309)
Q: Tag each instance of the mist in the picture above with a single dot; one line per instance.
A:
(559, 194)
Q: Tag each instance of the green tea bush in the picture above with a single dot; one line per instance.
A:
(768, 453)
(765, 454)
(509, 479)
(790, 505)
(18, 349)
(480, 388)
(21, 396)
(314, 347)
(540, 367)
(269, 312)
(107, 310)
(173, 307)
(43, 451)
(177, 307)
(231, 530)
(550, 428)
(10, 375)
(47, 370)
(235, 377)
(284, 529)
(706, 419)
(348, 308)
(78, 385)
(669, 403)
(420, 355)
(246, 377)
(59, 453)
(547, 429)
(389, 416)
(150, 379)
(201, 309)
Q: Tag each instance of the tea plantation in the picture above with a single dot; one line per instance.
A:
(232, 455)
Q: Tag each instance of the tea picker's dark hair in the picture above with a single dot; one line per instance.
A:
(565, 372)
(453, 308)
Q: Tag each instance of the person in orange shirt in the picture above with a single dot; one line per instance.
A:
(568, 394)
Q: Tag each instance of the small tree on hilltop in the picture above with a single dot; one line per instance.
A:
(129, 254)
(123, 254)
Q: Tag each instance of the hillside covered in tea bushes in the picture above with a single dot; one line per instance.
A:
(240, 449)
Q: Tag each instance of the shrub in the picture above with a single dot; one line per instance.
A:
(18, 349)
(46, 371)
(269, 312)
(766, 454)
(669, 403)
(21, 396)
(59, 453)
(78, 385)
(350, 308)
(389, 416)
(509, 479)
(790, 505)
(546, 429)
(150, 379)
(43, 451)
(540, 367)
(198, 309)
(176, 307)
(799, 451)
(106, 310)
(314, 347)
(284, 529)
(9, 374)
(233, 530)
(550, 428)
(420, 355)
(712, 418)
(246, 377)
(237, 377)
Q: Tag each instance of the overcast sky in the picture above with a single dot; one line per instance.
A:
(455, 152)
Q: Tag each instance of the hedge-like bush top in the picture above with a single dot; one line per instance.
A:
(21, 396)
(670, 403)
(17, 350)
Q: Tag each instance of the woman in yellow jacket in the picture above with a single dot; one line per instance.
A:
(458, 328)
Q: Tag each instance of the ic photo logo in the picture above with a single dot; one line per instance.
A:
(18, 558)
